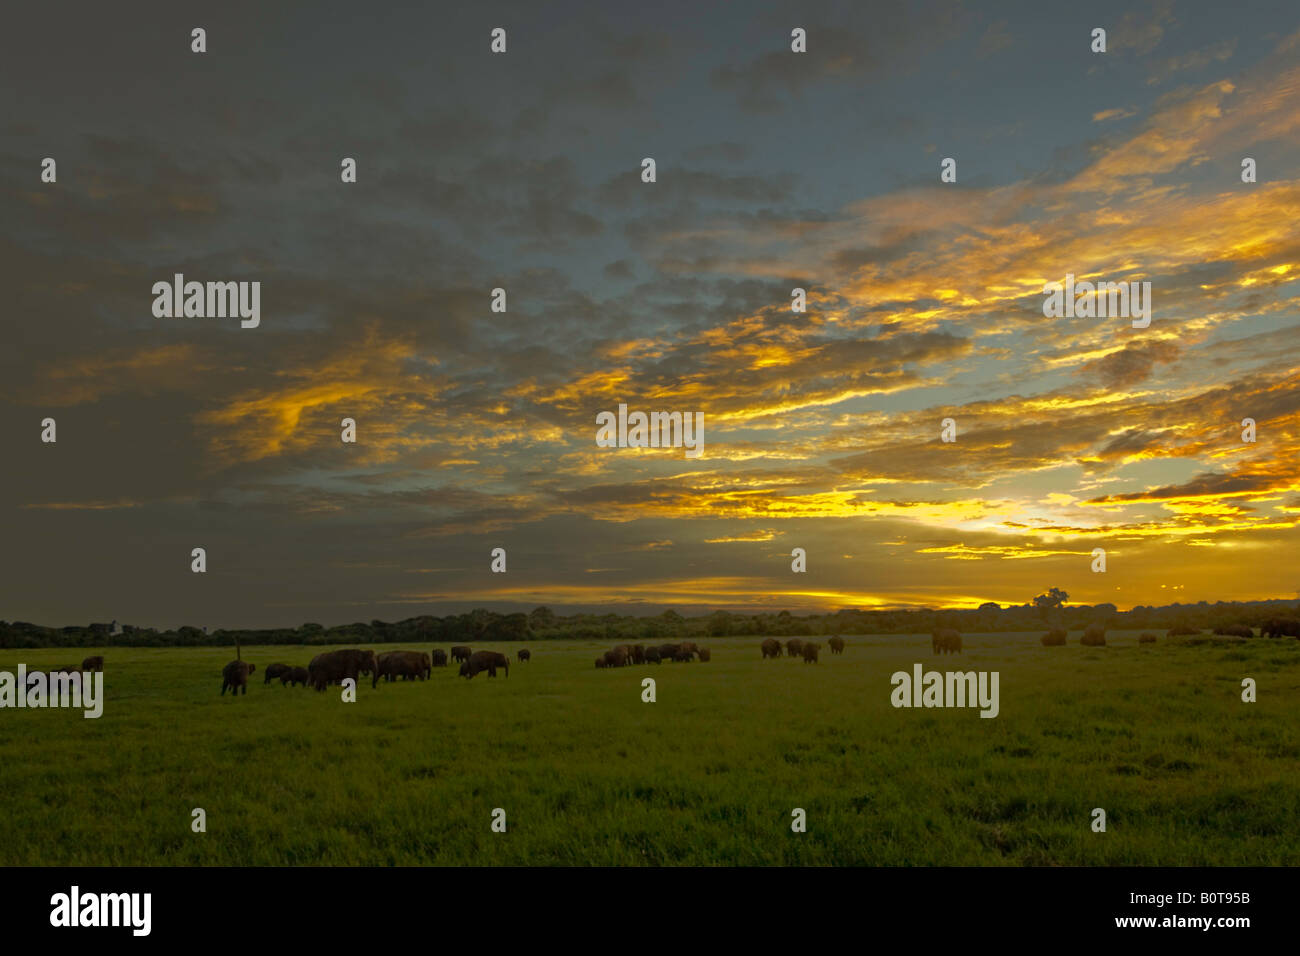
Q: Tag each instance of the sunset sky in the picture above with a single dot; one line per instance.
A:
(477, 430)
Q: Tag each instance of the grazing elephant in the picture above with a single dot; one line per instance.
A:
(1280, 627)
(1235, 630)
(601, 664)
(1093, 636)
(460, 653)
(333, 667)
(946, 641)
(235, 676)
(706, 654)
(616, 657)
(275, 670)
(688, 646)
(837, 644)
(771, 648)
(638, 653)
(95, 663)
(407, 665)
(439, 658)
(684, 657)
(794, 647)
(295, 675)
(667, 651)
(485, 661)
(525, 655)
(809, 651)
(652, 656)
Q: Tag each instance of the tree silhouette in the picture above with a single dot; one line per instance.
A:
(1053, 600)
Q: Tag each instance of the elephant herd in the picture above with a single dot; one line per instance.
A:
(625, 655)
(333, 667)
(797, 647)
(1095, 635)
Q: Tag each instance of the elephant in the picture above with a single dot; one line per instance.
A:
(810, 652)
(1054, 638)
(525, 655)
(1235, 630)
(771, 648)
(684, 657)
(794, 647)
(1280, 627)
(688, 646)
(275, 670)
(837, 644)
(652, 656)
(946, 641)
(706, 654)
(668, 652)
(1093, 636)
(638, 653)
(439, 658)
(617, 657)
(601, 663)
(408, 665)
(484, 661)
(235, 676)
(460, 653)
(333, 667)
(295, 675)
(95, 663)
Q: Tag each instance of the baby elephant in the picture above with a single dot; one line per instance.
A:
(235, 676)
(810, 652)
(295, 675)
(95, 663)
(275, 670)
(525, 655)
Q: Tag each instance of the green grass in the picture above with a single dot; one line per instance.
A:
(589, 774)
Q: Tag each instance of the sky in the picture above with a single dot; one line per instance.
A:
(774, 170)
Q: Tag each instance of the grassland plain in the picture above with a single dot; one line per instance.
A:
(589, 774)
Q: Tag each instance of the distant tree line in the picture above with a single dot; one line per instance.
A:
(481, 626)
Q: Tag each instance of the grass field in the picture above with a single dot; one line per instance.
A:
(589, 774)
